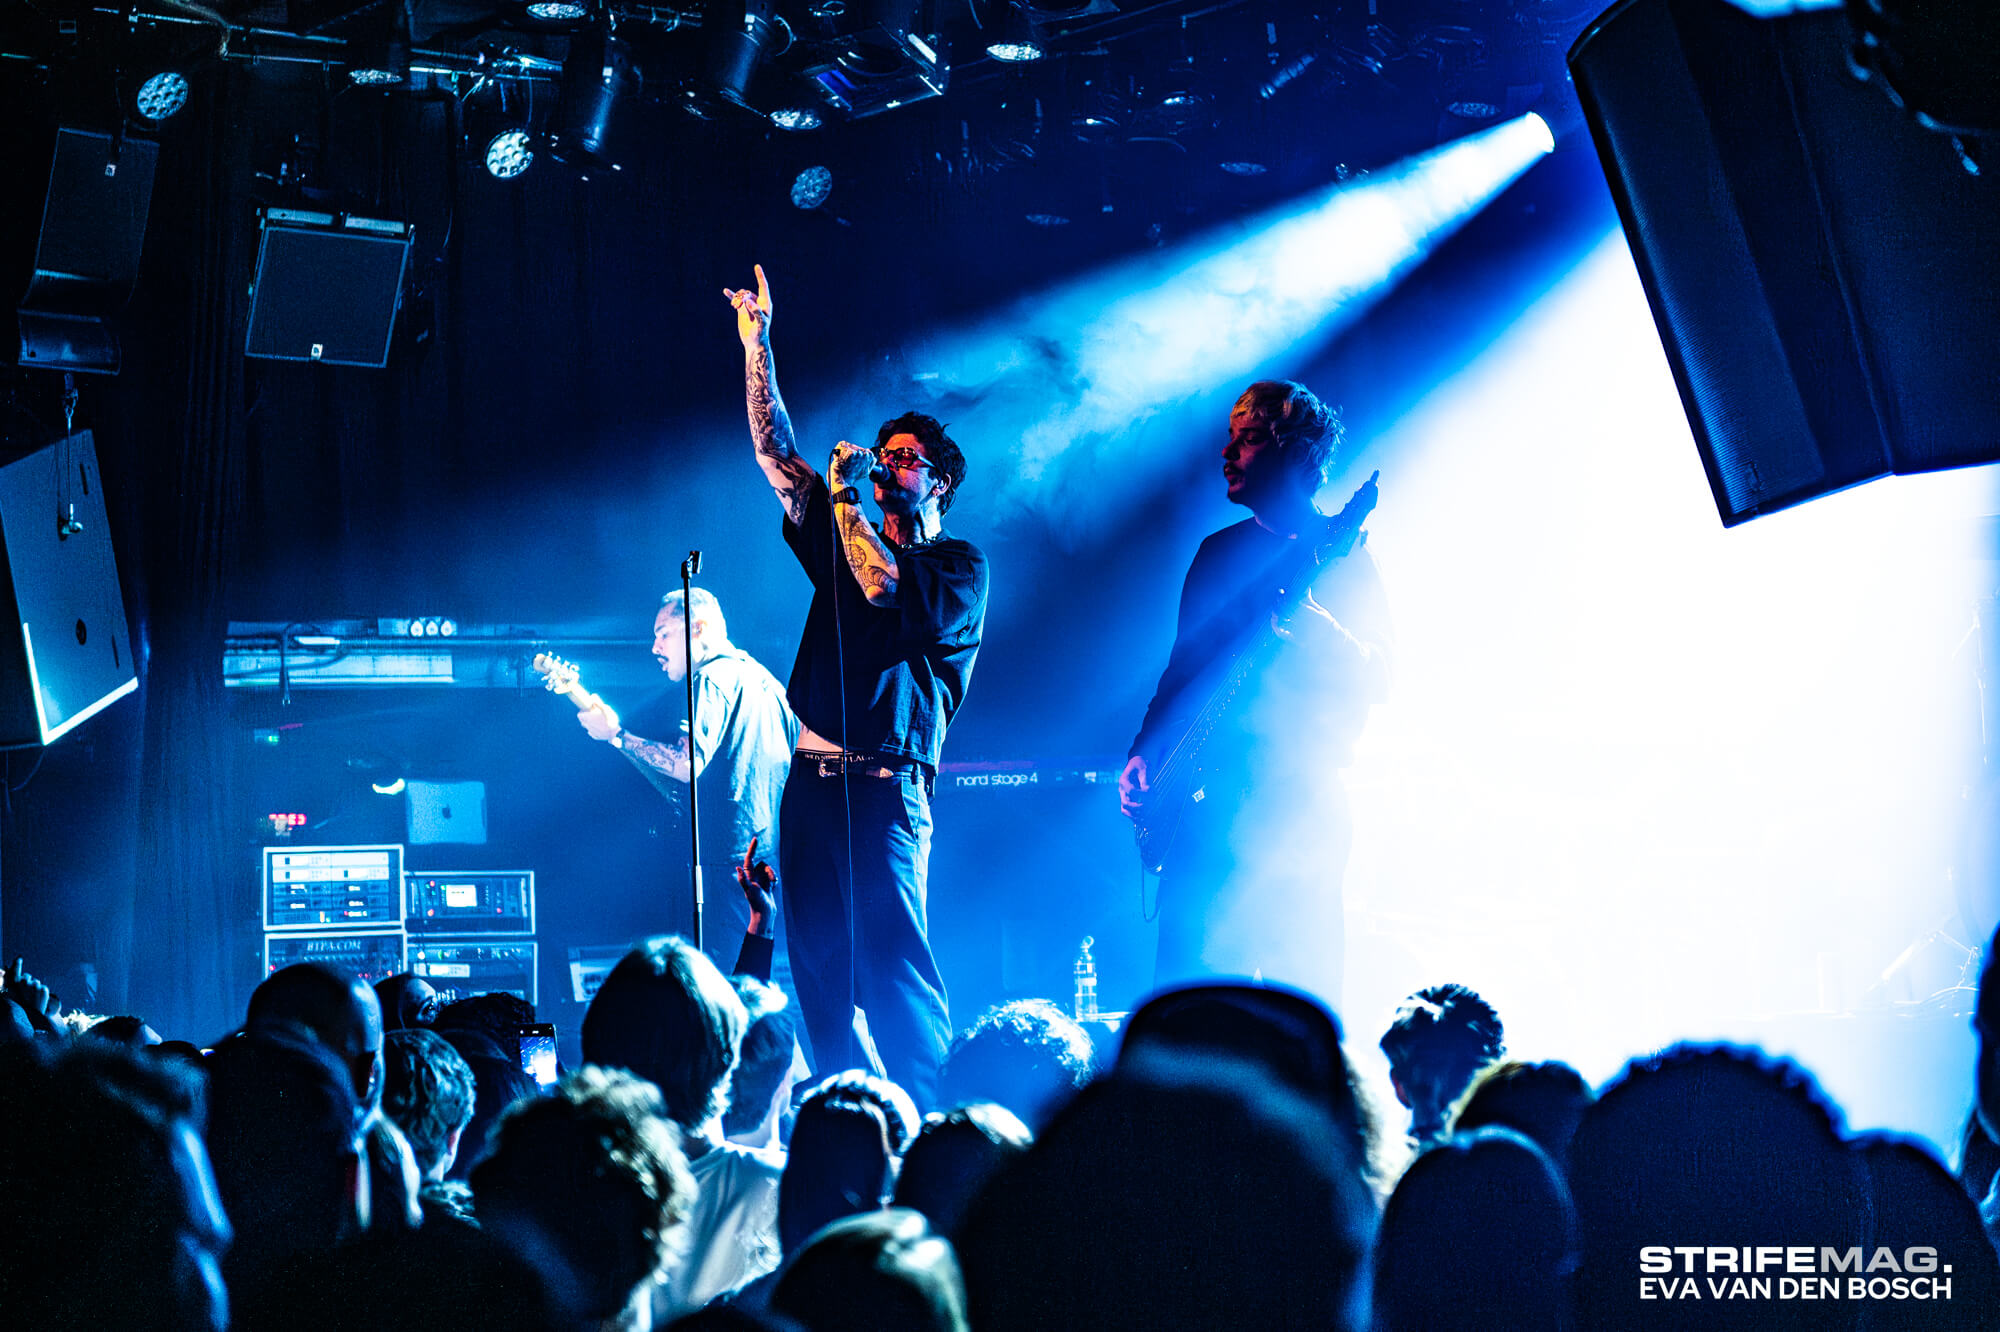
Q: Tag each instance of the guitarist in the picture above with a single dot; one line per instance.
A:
(1257, 816)
(744, 745)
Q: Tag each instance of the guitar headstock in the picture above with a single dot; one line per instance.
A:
(558, 676)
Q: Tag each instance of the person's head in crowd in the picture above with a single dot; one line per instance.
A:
(1986, 1025)
(1542, 1102)
(498, 1014)
(718, 1316)
(338, 1009)
(285, 1138)
(1438, 1041)
(768, 1067)
(427, 1090)
(15, 1024)
(1978, 1158)
(124, 1030)
(394, 1179)
(187, 1052)
(588, 1186)
(1479, 1233)
(1186, 1190)
(440, 1278)
(883, 1269)
(407, 1001)
(1289, 1034)
(667, 1014)
(1027, 1055)
(953, 1156)
(111, 1216)
(497, 1083)
(850, 1132)
(1915, 1206)
(1713, 1146)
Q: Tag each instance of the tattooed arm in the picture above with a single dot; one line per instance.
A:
(770, 426)
(671, 759)
(868, 556)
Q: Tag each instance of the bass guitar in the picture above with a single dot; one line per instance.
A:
(1179, 780)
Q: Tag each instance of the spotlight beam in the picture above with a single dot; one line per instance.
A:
(1072, 373)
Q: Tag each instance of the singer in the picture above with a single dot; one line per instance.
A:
(890, 638)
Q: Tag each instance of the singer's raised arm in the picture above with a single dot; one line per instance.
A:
(791, 476)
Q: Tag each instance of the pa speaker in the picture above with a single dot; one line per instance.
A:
(1824, 271)
(65, 651)
(87, 255)
(327, 288)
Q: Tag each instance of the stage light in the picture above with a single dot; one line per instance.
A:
(558, 11)
(599, 76)
(811, 187)
(162, 95)
(509, 153)
(735, 37)
(389, 788)
(1016, 38)
(1543, 134)
(796, 118)
(382, 58)
(448, 628)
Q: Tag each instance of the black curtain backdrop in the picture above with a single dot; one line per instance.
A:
(186, 922)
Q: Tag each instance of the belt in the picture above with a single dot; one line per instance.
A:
(856, 765)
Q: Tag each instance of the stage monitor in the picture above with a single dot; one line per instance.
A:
(322, 887)
(372, 956)
(485, 902)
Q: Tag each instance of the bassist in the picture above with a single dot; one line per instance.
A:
(1251, 838)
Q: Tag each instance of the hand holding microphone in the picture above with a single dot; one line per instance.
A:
(851, 466)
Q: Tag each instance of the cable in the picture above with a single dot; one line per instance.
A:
(846, 768)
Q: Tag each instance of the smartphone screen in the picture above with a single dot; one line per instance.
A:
(538, 1052)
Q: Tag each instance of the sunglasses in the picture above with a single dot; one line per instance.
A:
(908, 458)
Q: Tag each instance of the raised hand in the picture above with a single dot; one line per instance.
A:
(753, 311)
(756, 880)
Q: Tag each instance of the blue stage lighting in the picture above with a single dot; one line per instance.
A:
(811, 187)
(509, 153)
(796, 118)
(1543, 135)
(1088, 375)
(162, 95)
(1016, 52)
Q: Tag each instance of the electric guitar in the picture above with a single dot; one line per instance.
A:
(562, 677)
(1178, 781)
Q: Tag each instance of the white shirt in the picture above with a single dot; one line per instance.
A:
(732, 1234)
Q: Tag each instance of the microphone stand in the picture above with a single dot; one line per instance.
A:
(689, 568)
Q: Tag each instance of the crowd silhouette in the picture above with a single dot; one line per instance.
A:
(359, 1159)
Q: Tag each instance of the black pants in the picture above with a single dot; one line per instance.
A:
(862, 940)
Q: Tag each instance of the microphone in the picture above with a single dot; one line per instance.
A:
(876, 474)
